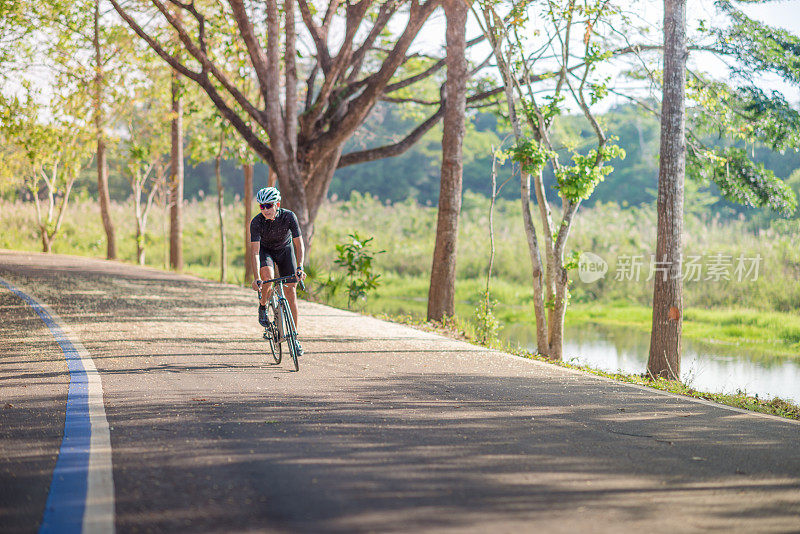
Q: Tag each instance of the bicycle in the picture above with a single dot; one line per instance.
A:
(280, 323)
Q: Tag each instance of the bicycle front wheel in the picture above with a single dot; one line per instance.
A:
(290, 334)
(272, 334)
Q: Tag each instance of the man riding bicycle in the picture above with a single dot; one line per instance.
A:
(275, 240)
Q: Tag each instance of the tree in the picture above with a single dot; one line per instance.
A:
(79, 44)
(48, 156)
(223, 257)
(147, 176)
(212, 140)
(301, 137)
(665, 338)
(146, 118)
(99, 123)
(247, 198)
(175, 182)
(576, 75)
(441, 295)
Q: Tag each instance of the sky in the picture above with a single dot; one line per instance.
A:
(782, 14)
(779, 13)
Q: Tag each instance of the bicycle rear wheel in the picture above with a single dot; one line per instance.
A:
(290, 334)
(271, 333)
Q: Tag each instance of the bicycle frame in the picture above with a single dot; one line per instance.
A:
(284, 321)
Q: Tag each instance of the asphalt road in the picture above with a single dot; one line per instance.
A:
(384, 429)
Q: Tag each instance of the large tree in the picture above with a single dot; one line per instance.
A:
(300, 129)
(533, 117)
(665, 338)
(441, 296)
(176, 176)
(99, 85)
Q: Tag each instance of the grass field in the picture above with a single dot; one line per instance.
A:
(759, 313)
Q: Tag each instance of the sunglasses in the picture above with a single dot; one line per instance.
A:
(267, 206)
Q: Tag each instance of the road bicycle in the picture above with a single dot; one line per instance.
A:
(280, 323)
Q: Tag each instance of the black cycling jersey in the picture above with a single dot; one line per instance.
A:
(276, 234)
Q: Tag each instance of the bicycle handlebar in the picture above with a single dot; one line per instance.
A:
(285, 279)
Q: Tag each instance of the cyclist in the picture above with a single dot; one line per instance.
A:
(275, 240)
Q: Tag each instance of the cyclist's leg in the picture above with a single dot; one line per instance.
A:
(267, 272)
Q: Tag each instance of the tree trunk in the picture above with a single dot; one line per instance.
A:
(441, 296)
(665, 339)
(176, 179)
(248, 215)
(537, 274)
(319, 177)
(557, 314)
(223, 260)
(102, 165)
(139, 244)
(47, 243)
(140, 218)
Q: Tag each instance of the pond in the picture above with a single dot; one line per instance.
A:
(704, 367)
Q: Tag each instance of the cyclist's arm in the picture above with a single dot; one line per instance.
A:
(254, 248)
(299, 250)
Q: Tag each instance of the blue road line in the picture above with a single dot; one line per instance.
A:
(66, 501)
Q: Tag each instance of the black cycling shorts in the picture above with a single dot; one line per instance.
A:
(283, 259)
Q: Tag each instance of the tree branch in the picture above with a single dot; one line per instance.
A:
(355, 14)
(360, 106)
(207, 65)
(155, 45)
(411, 100)
(319, 36)
(395, 149)
(385, 13)
(429, 71)
(257, 57)
(414, 79)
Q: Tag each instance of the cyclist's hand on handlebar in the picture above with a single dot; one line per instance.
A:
(256, 285)
(301, 274)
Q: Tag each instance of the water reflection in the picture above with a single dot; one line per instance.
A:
(704, 367)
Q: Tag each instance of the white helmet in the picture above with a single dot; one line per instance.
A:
(268, 194)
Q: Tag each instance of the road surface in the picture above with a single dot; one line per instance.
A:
(384, 429)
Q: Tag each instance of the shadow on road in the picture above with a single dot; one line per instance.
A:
(208, 436)
(427, 451)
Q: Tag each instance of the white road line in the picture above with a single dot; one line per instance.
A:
(83, 465)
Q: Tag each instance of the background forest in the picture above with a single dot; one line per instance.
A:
(415, 174)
